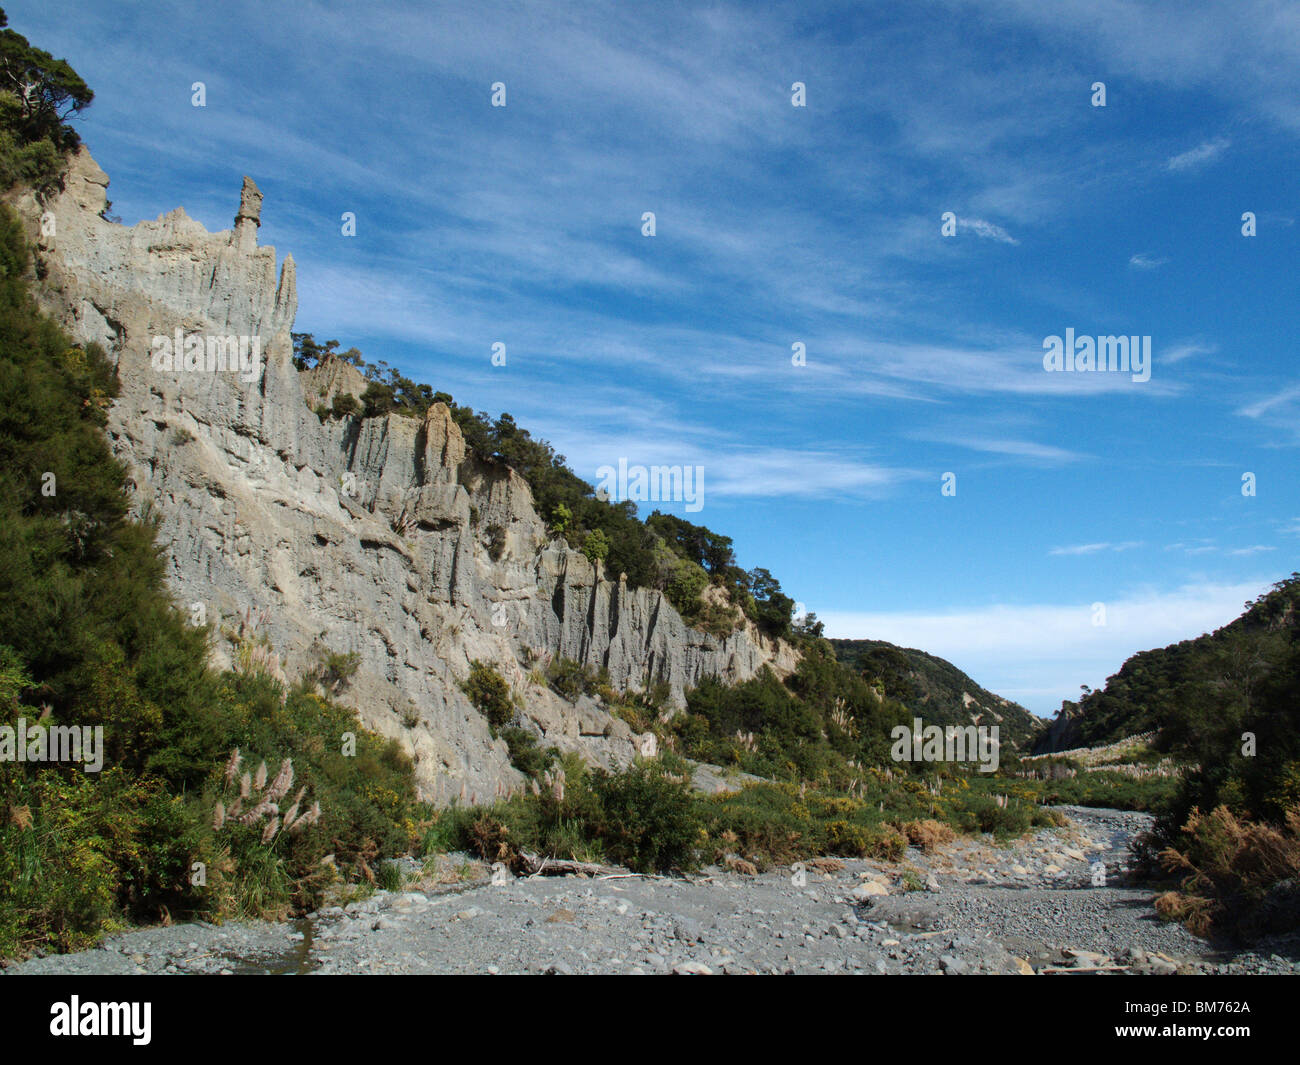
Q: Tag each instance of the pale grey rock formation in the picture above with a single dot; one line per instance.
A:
(361, 535)
(329, 378)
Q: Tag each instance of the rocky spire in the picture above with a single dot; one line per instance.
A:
(250, 211)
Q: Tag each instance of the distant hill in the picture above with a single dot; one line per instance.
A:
(937, 690)
(1156, 690)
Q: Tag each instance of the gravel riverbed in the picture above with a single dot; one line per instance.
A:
(1037, 905)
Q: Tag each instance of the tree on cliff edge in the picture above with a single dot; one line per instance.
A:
(38, 95)
(48, 90)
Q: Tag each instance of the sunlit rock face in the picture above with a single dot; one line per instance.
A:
(370, 536)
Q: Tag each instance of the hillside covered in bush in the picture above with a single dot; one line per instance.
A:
(936, 690)
(1173, 689)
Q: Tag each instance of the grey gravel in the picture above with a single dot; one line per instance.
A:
(1021, 908)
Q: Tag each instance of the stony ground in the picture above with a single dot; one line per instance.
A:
(1035, 906)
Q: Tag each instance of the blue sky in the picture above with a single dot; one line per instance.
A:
(821, 225)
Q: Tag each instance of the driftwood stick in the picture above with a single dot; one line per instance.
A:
(629, 876)
(537, 866)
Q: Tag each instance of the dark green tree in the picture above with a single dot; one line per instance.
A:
(40, 93)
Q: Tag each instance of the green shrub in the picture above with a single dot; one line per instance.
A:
(377, 400)
(648, 819)
(850, 840)
(684, 588)
(489, 693)
(335, 669)
(572, 679)
(390, 876)
(596, 546)
(717, 619)
(526, 755)
(345, 405)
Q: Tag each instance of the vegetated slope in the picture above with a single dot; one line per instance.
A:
(936, 690)
(1166, 688)
(1227, 706)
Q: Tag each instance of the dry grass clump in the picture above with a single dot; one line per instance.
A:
(1241, 877)
(928, 834)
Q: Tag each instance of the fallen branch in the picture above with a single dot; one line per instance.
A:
(628, 876)
(535, 866)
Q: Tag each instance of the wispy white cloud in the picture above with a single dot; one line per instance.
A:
(986, 230)
(1092, 549)
(1280, 413)
(1026, 449)
(732, 468)
(1189, 349)
(1252, 57)
(1271, 403)
(793, 474)
(1194, 547)
(1146, 262)
(1203, 153)
(1009, 366)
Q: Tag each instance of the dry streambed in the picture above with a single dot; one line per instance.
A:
(1035, 906)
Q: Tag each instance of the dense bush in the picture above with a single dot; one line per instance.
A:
(644, 817)
(526, 754)
(648, 819)
(345, 405)
(572, 679)
(1113, 790)
(684, 587)
(809, 727)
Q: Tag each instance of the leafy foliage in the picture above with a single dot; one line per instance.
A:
(38, 95)
(808, 728)
(648, 820)
(1202, 698)
(572, 679)
(644, 818)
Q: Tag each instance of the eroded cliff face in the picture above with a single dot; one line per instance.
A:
(369, 535)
